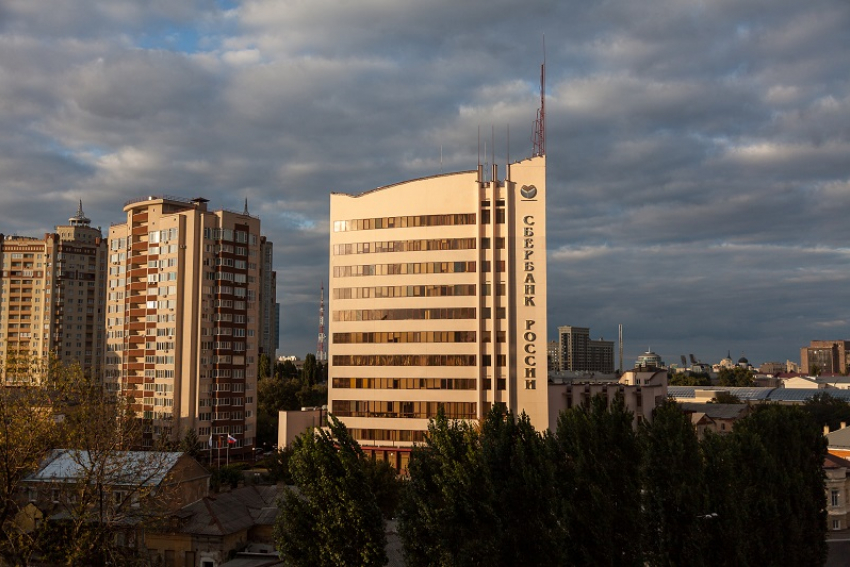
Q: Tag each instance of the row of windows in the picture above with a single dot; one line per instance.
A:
(403, 314)
(166, 235)
(406, 337)
(388, 435)
(408, 268)
(404, 222)
(422, 410)
(228, 234)
(386, 291)
(406, 383)
(404, 360)
(404, 246)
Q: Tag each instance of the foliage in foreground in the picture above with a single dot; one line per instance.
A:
(598, 493)
(95, 426)
(332, 516)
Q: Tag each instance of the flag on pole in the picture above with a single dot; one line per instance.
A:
(231, 439)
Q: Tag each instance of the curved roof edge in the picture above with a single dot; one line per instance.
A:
(404, 183)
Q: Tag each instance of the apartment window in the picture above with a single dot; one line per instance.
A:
(836, 524)
(835, 497)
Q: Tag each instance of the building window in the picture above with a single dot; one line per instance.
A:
(836, 524)
(835, 497)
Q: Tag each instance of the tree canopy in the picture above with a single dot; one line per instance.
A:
(331, 516)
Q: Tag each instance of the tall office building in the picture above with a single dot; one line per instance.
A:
(438, 299)
(183, 319)
(52, 299)
(579, 353)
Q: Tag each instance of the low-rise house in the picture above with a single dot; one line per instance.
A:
(838, 441)
(837, 491)
(206, 532)
(717, 418)
(114, 490)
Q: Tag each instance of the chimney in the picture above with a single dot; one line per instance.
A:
(826, 430)
(843, 424)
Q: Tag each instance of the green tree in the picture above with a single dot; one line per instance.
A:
(332, 516)
(828, 410)
(689, 379)
(264, 367)
(286, 369)
(27, 432)
(310, 370)
(769, 472)
(599, 490)
(723, 397)
(446, 516)
(735, 377)
(190, 444)
(385, 483)
(672, 471)
(519, 463)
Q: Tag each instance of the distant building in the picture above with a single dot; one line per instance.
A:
(773, 368)
(828, 356)
(642, 389)
(552, 357)
(269, 307)
(577, 352)
(649, 359)
(52, 298)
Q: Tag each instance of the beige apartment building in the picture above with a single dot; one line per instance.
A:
(52, 299)
(438, 299)
(183, 319)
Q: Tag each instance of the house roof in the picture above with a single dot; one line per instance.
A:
(716, 411)
(831, 461)
(230, 512)
(116, 468)
(839, 438)
(762, 394)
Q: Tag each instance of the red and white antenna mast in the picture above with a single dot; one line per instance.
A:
(321, 355)
(539, 136)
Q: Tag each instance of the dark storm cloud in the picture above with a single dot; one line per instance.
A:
(698, 171)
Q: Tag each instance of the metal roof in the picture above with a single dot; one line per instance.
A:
(116, 468)
(762, 394)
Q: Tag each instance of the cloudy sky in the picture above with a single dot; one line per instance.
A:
(699, 152)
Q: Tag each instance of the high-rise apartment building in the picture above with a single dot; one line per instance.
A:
(184, 317)
(52, 299)
(269, 308)
(577, 352)
(438, 300)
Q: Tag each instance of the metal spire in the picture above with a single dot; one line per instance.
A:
(80, 218)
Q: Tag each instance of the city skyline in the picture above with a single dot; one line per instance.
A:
(696, 153)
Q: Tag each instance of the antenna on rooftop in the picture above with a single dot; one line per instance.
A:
(321, 355)
(539, 136)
